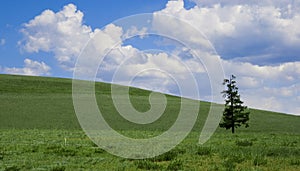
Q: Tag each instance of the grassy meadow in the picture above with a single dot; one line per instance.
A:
(39, 131)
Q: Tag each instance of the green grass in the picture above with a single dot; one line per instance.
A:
(39, 131)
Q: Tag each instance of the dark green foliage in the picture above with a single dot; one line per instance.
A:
(58, 168)
(179, 150)
(98, 150)
(295, 162)
(234, 114)
(259, 160)
(168, 156)
(12, 168)
(236, 158)
(282, 151)
(229, 165)
(203, 151)
(1, 155)
(289, 143)
(244, 143)
(61, 150)
(175, 165)
(146, 164)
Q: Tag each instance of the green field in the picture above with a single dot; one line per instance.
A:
(39, 131)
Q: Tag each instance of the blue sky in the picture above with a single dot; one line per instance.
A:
(97, 14)
(258, 41)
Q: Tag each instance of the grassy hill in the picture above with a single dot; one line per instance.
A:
(39, 130)
(46, 103)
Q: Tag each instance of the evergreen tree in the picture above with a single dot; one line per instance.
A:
(234, 114)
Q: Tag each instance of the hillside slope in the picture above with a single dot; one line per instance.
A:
(46, 103)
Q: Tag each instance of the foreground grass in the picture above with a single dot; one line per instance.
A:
(39, 131)
(71, 150)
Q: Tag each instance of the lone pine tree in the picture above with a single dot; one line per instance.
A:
(234, 114)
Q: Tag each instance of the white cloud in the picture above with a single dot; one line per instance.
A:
(282, 99)
(237, 29)
(277, 3)
(242, 29)
(129, 61)
(2, 42)
(274, 88)
(31, 67)
(157, 71)
(283, 74)
(135, 31)
(61, 33)
(64, 34)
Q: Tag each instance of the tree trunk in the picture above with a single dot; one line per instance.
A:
(232, 129)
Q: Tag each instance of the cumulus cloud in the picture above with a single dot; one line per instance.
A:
(61, 33)
(64, 34)
(241, 29)
(262, 34)
(257, 43)
(30, 68)
(279, 75)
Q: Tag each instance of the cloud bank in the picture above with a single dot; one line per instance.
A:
(246, 31)
(265, 35)
(257, 43)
